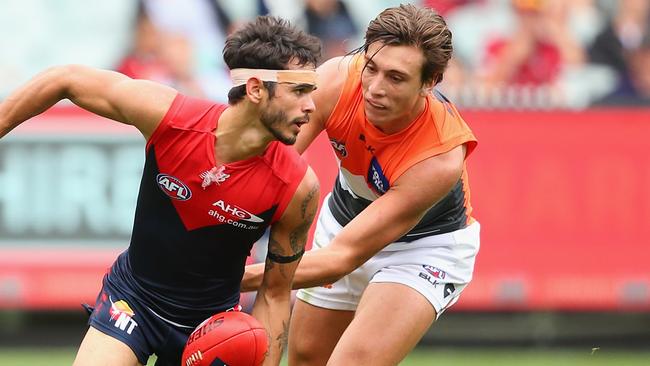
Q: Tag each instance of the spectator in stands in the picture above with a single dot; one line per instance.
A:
(162, 57)
(616, 44)
(540, 45)
(330, 21)
(201, 27)
(445, 6)
(637, 62)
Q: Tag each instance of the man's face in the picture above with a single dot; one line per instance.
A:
(392, 85)
(288, 109)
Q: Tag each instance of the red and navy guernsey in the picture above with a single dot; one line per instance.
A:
(196, 220)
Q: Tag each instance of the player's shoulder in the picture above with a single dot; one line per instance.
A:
(442, 109)
(332, 77)
(191, 113)
(333, 73)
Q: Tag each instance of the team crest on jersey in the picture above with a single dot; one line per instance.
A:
(215, 175)
(339, 147)
(173, 187)
(376, 177)
(122, 315)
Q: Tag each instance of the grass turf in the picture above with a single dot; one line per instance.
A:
(419, 357)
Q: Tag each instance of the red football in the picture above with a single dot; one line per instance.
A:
(232, 338)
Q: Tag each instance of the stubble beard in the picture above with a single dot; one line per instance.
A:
(274, 121)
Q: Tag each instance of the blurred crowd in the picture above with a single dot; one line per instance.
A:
(534, 54)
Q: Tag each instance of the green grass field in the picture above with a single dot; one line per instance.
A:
(420, 357)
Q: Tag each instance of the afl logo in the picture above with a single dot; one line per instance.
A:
(339, 147)
(173, 187)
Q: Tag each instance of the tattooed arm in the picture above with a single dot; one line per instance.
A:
(286, 246)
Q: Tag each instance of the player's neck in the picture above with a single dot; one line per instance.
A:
(240, 134)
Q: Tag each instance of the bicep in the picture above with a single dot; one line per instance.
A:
(110, 94)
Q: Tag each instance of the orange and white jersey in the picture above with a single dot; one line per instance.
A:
(371, 161)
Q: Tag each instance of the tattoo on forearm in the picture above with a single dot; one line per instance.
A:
(275, 251)
(283, 338)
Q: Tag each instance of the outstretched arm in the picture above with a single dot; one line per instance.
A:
(107, 93)
(286, 245)
(385, 220)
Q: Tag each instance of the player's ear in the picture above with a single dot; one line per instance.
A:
(255, 90)
(426, 89)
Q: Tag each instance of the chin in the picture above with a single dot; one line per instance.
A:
(288, 140)
(375, 119)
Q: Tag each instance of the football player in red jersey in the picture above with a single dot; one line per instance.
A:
(215, 178)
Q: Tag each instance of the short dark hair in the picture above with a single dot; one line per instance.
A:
(410, 25)
(268, 43)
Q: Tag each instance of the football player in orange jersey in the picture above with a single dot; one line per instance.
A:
(396, 242)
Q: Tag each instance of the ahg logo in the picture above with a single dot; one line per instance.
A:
(173, 187)
(237, 212)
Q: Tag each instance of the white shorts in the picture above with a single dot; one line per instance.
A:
(438, 267)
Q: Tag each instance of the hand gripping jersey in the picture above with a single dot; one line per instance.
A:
(196, 219)
(370, 161)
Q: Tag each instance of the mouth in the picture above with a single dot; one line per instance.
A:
(299, 122)
(374, 104)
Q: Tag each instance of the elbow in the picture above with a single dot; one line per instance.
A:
(60, 78)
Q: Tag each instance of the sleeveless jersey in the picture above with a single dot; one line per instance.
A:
(190, 239)
(370, 161)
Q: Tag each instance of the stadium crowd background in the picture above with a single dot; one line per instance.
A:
(508, 53)
(557, 92)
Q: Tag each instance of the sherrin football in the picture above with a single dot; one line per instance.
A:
(231, 338)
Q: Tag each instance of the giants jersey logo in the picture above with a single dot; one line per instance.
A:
(173, 187)
(376, 178)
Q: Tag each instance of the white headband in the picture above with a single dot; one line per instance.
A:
(241, 76)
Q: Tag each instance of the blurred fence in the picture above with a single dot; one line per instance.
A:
(563, 198)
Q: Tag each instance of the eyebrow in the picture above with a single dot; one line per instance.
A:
(303, 86)
(394, 71)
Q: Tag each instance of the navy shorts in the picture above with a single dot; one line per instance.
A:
(123, 317)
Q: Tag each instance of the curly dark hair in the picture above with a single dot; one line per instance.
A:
(268, 43)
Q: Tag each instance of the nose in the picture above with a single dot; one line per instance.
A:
(376, 87)
(309, 106)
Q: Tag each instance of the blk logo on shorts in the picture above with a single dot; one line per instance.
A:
(122, 315)
(428, 278)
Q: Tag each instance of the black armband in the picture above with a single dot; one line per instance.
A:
(284, 259)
